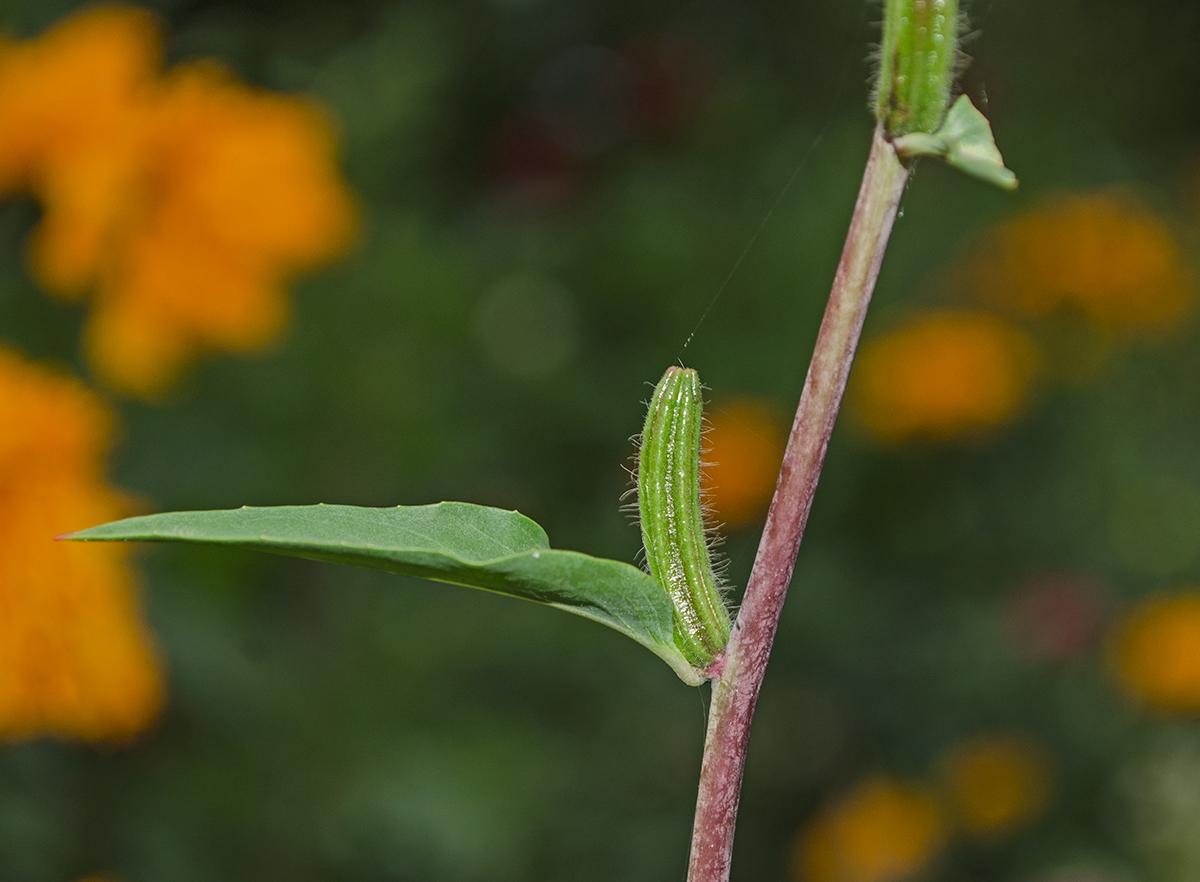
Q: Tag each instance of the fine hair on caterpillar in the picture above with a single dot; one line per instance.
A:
(674, 515)
(714, 538)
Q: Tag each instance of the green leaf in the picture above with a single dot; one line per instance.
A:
(965, 141)
(472, 545)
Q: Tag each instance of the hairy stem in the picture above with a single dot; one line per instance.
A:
(735, 692)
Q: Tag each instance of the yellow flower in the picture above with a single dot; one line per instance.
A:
(995, 784)
(75, 657)
(185, 203)
(744, 447)
(881, 831)
(1104, 254)
(1156, 653)
(942, 375)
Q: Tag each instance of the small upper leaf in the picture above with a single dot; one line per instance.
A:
(472, 545)
(965, 141)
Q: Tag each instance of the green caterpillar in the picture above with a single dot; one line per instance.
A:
(672, 516)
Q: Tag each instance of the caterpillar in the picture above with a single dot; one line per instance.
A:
(671, 515)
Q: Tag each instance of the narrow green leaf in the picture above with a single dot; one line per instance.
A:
(965, 141)
(472, 545)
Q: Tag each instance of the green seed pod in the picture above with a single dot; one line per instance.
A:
(672, 516)
(917, 64)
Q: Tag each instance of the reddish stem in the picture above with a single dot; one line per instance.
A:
(735, 692)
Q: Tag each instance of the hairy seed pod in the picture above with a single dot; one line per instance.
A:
(917, 63)
(672, 518)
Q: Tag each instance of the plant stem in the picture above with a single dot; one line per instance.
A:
(735, 692)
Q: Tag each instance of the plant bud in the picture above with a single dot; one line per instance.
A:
(917, 63)
(672, 517)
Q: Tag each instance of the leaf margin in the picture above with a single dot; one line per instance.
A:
(536, 572)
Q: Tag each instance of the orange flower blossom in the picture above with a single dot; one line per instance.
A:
(883, 830)
(942, 375)
(1104, 254)
(743, 449)
(75, 657)
(995, 783)
(1156, 653)
(182, 201)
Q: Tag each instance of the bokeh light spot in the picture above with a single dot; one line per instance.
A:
(1154, 526)
(883, 830)
(942, 375)
(1056, 617)
(1156, 653)
(995, 784)
(743, 449)
(1103, 254)
(527, 326)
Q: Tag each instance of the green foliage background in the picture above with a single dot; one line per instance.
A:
(336, 724)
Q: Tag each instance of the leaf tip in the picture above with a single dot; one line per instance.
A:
(964, 141)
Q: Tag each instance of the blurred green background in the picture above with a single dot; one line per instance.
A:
(533, 253)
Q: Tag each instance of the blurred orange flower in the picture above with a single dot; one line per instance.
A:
(995, 784)
(75, 657)
(881, 831)
(1156, 653)
(1105, 254)
(942, 375)
(73, 102)
(744, 447)
(184, 201)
